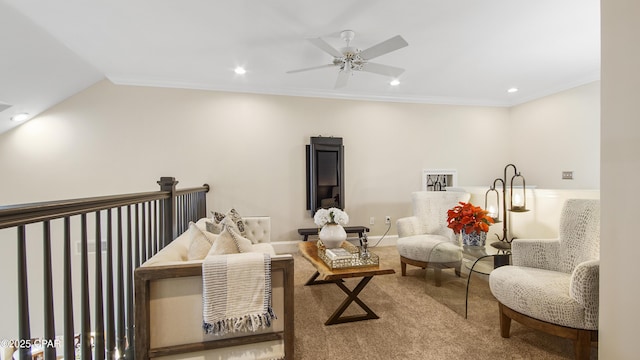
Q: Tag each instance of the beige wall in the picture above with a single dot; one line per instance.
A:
(249, 148)
(559, 133)
(620, 141)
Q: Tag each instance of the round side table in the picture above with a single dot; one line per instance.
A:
(479, 256)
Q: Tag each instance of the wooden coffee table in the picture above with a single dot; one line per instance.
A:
(325, 275)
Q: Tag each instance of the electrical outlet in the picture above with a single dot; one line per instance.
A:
(567, 175)
(387, 219)
(372, 220)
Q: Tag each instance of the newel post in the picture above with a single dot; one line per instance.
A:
(169, 214)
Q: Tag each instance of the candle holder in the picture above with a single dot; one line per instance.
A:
(492, 207)
(364, 248)
(517, 203)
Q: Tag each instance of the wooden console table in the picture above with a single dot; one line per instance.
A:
(360, 230)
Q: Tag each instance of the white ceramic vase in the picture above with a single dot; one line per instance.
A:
(332, 235)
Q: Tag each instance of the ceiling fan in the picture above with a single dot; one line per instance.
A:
(350, 59)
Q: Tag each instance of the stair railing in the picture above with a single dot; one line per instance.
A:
(95, 293)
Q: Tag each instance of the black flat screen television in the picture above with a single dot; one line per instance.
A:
(325, 173)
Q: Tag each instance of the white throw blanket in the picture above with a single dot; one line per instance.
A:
(236, 293)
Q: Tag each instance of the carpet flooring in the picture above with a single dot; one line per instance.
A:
(417, 320)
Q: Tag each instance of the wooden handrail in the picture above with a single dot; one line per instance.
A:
(23, 214)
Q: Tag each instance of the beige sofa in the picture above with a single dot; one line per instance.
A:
(168, 306)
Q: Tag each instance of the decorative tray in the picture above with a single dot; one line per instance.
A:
(347, 256)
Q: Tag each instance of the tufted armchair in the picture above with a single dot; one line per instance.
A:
(552, 285)
(424, 239)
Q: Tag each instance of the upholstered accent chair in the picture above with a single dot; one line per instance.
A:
(424, 240)
(553, 285)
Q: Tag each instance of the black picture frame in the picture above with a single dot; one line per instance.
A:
(325, 173)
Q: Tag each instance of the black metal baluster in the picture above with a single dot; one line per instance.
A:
(98, 340)
(69, 336)
(163, 225)
(136, 228)
(120, 337)
(194, 210)
(182, 215)
(180, 201)
(179, 210)
(185, 214)
(202, 206)
(85, 316)
(189, 212)
(160, 226)
(49, 322)
(129, 348)
(149, 229)
(178, 224)
(196, 205)
(24, 329)
(156, 226)
(110, 338)
(143, 229)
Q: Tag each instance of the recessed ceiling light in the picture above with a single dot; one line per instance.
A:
(20, 117)
(240, 70)
(394, 82)
(512, 90)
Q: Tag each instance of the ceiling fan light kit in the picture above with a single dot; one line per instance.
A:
(350, 59)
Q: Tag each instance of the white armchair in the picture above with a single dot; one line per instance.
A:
(553, 284)
(424, 240)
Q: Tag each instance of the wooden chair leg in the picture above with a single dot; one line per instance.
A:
(505, 322)
(582, 345)
(457, 269)
(403, 267)
(582, 339)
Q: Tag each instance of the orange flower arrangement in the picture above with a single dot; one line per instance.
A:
(468, 218)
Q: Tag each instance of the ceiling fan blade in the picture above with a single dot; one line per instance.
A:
(311, 68)
(387, 46)
(323, 45)
(382, 69)
(343, 78)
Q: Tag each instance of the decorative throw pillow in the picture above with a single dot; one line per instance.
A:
(213, 227)
(224, 244)
(233, 216)
(244, 244)
(201, 224)
(201, 242)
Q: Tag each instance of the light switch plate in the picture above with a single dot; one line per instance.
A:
(567, 175)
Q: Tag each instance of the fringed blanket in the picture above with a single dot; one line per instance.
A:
(236, 293)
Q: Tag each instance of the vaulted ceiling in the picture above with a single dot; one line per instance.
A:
(459, 52)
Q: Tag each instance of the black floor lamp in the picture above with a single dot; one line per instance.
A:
(517, 202)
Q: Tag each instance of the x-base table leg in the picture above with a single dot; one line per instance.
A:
(352, 296)
(337, 317)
